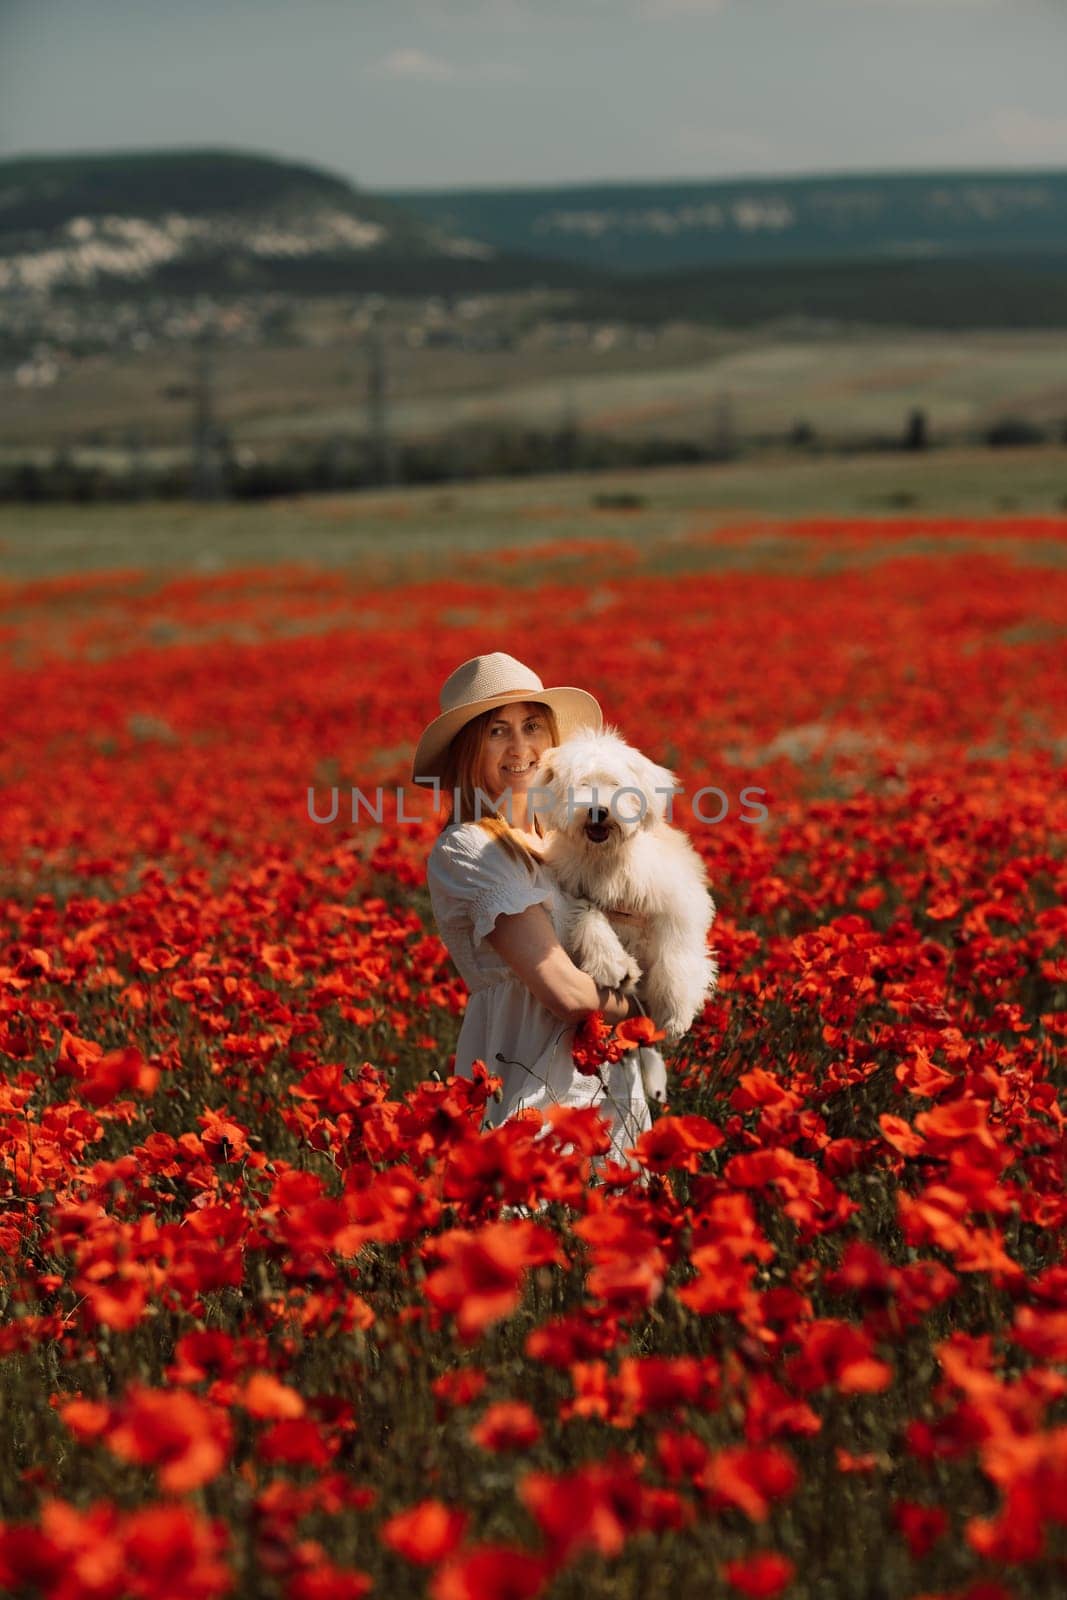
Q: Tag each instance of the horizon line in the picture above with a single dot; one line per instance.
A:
(799, 175)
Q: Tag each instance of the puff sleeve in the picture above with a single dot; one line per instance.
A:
(472, 881)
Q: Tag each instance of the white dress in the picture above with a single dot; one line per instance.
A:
(472, 881)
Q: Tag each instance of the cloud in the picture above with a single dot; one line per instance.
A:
(1019, 132)
(680, 8)
(1009, 136)
(925, 5)
(928, 5)
(417, 66)
(707, 8)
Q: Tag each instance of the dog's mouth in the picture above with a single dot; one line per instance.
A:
(597, 832)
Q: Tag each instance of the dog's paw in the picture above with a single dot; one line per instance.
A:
(676, 1023)
(630, 975)
(596, 948)
(614, 971)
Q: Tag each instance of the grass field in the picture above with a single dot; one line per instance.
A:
(676, 381)
(407, 531)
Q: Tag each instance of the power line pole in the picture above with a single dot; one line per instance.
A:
(135, 454)
(567, 437)
(378, 433)
(723, 433)
(207, 463)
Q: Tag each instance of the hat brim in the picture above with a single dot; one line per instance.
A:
(573, 707)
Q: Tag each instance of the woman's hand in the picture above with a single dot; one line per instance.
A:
(616, 1005)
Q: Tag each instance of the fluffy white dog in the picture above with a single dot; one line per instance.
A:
(611, 849)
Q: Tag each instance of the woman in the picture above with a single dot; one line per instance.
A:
(496, 907)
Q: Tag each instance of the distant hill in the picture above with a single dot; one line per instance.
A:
(933, 250)
(223, 221)
(661, 227)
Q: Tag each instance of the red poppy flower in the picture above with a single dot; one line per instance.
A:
(296, 1442)
(594, 1044)
(263, 1396)
(427, 1534)
(86, 1419)
(187, 1440)
(750, 1479)
(459, 1388)
(508, 1425)
(118, 1072)
(598, 1505)
(327, 1582)
(677, 1142)
(637, 1031)
(922, 1526)
(483, 1278)
(173, 1551)
(762, 1576)
(491, 1572)
(838, 1354)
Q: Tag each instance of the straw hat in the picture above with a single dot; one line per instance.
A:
(488, 681)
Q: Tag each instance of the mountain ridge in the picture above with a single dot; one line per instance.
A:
(637, 227)
(123, 224)
(220, 220)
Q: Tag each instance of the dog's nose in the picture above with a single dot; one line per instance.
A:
(597, 814)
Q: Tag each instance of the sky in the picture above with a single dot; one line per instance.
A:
(431, 94)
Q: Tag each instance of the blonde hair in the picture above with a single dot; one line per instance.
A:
(463, 770)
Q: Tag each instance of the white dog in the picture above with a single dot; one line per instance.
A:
(611, 849)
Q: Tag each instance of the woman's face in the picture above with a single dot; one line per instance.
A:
(516, 738)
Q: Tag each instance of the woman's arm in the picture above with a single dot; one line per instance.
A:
(528, 943)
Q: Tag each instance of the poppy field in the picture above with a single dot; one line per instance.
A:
(277, 1320)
